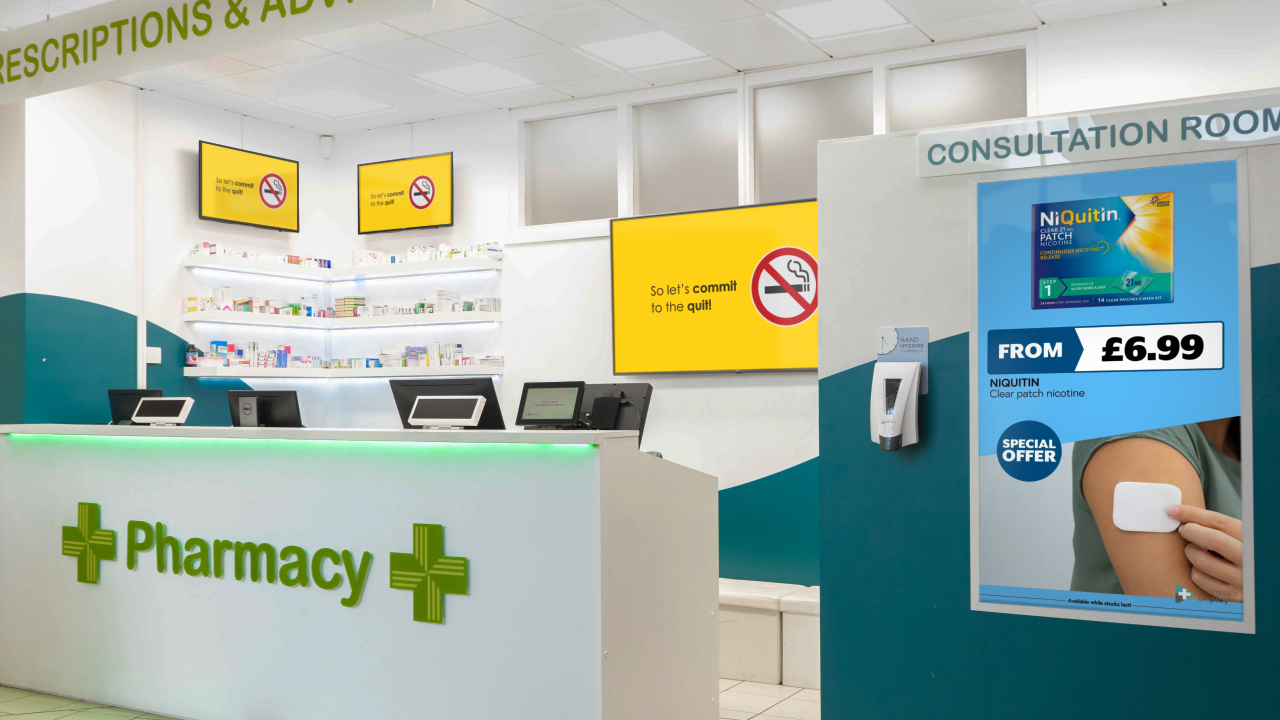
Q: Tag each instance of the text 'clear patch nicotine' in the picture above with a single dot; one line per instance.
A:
(1140, 507)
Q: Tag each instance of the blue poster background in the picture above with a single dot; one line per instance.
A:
(1206, 257)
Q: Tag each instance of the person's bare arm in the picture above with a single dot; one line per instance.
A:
(1147, 563)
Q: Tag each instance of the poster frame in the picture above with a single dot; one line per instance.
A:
(1240, 157)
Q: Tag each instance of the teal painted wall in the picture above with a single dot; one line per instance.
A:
(769, 527)
(898, 637)
(62, 355)
(13, 364)
(75, 351)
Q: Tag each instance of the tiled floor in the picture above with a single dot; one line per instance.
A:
(743, 700)
(738, 701)
(28, 705)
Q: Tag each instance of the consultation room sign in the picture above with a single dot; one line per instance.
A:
(1214, 124)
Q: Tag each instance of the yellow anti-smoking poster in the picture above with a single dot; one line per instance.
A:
(406, 194)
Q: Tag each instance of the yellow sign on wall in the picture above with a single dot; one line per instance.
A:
(713, 291)
(248, 188)
(406, 194)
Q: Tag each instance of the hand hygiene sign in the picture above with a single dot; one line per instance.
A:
(124, 37)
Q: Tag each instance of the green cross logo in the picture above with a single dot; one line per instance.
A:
(428, 573)
(88, 543)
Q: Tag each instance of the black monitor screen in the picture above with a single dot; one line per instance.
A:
(444, 409)
(160, 408)
(275, 408)
(124, 402)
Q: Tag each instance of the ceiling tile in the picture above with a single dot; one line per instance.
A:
(875, 41)
(410, 57)
(151, 80)
(930, 11)
(278, 53)
(445, 16)
(18, 14)
(523, 97)
(738, 37)
(776, 5)
(452, 109)
(334, 103)
(330, 127)
(74, 5)
(1062, 10)
(672, 14)
(686, 71)
(1005, 21)
(336, 71)
(518, 8)
(358, 37)
(213, 97)
(382, 119)
(655, 48)
(587, 23)
(774, 56)
(841, 17)
(496, 41)
(601, 85)
(404, 93)
(475, 79)
(263, 85)
(557, 67)
(282, 114)
(208, 69)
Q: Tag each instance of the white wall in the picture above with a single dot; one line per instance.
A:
(1180, 51)
(13, 178)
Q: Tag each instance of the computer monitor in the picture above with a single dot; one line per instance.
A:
(406, 392)
(550, 404)
(124, 402)
(632, 408)
(264, 408)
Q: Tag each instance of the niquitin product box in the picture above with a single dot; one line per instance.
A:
(1104, 251)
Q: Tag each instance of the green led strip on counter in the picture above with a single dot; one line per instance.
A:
(385, 446)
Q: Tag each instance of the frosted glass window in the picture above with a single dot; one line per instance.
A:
(572, 168)
(687, 154)
(976, 89)
(791, 119)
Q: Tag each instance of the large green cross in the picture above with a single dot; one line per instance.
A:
(428, 573)
(88, 543)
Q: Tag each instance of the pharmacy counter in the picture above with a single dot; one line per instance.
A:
(220, 573)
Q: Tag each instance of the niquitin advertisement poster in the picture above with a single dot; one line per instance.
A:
(1111, 451)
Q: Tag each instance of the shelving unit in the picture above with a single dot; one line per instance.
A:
(222, 317)
(450, 266)
(330, 276)
(320, 373)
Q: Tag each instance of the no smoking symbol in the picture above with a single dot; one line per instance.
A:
(784, 286)
(272, 190)
(421, 192)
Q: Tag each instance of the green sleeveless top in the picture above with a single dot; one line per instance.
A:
(1219, 475)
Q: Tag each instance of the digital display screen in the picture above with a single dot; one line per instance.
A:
(160, 408)
(444, 409)
(405, 194)
(553, 403)
(248, 188)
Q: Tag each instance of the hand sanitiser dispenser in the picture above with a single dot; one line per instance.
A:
(895, 389)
